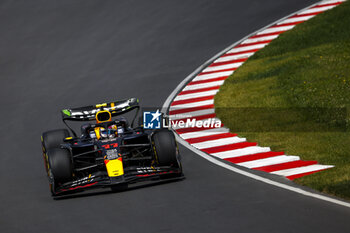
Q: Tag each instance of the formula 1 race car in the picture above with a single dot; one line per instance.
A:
(109, 153)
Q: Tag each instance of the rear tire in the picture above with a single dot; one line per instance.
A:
(165, 148)
(60, 165)
(54, 138)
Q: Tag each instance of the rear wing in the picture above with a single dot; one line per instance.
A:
(88, 113)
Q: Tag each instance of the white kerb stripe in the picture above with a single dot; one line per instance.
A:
(218, 142)
(330, 1)
(201, 77)
(204, 133)
(223, 67)
(240, 171)
(203, 85)
(196, 95)
(233, 57)
(275, 29)
(300, 170)
(317, 9)
(192, 105)
(269, 161)
(240, 152)
(264, 38)
(247, 48)
(296, 19)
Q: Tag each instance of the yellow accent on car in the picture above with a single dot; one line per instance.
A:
(114, 167)
(101, 105)
(98, 132)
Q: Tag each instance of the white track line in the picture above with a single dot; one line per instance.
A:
(225, 130)
(269, 161)
(240, 152)
(301, 170)
(218, 142)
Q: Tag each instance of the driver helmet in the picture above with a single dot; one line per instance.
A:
(110, 132)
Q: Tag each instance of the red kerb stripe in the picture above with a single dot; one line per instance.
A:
(191, 130)
(283, 166)
(238, 53)
(210, 137)
(192, 100)
(307, 14)
(229, 147)
(252, 157)
(303, 174)
(228, 62)
(288, 24)
(199, 90)
(328, 4)
(254, 43)
(184, 110)
(267, 34)
(207, 80)
(216, 71)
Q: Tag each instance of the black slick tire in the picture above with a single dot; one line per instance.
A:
(165, 148)
(60, 164)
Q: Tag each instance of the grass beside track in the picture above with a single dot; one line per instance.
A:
(294, 96)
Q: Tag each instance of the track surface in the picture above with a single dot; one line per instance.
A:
(56, 54)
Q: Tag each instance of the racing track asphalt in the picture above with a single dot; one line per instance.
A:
(56, 54)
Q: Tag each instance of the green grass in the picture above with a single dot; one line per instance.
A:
(305, 73)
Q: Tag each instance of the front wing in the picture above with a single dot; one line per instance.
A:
(102, 180)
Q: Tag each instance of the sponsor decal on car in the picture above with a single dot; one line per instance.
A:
(147, 169)
(83, 180)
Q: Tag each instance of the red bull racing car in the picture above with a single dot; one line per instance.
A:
(109, 152)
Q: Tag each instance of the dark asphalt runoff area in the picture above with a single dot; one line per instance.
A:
(58, 54)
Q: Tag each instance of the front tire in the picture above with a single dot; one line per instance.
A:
(59, 167)
(52, 140)
(165, 148)
(60, 163)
